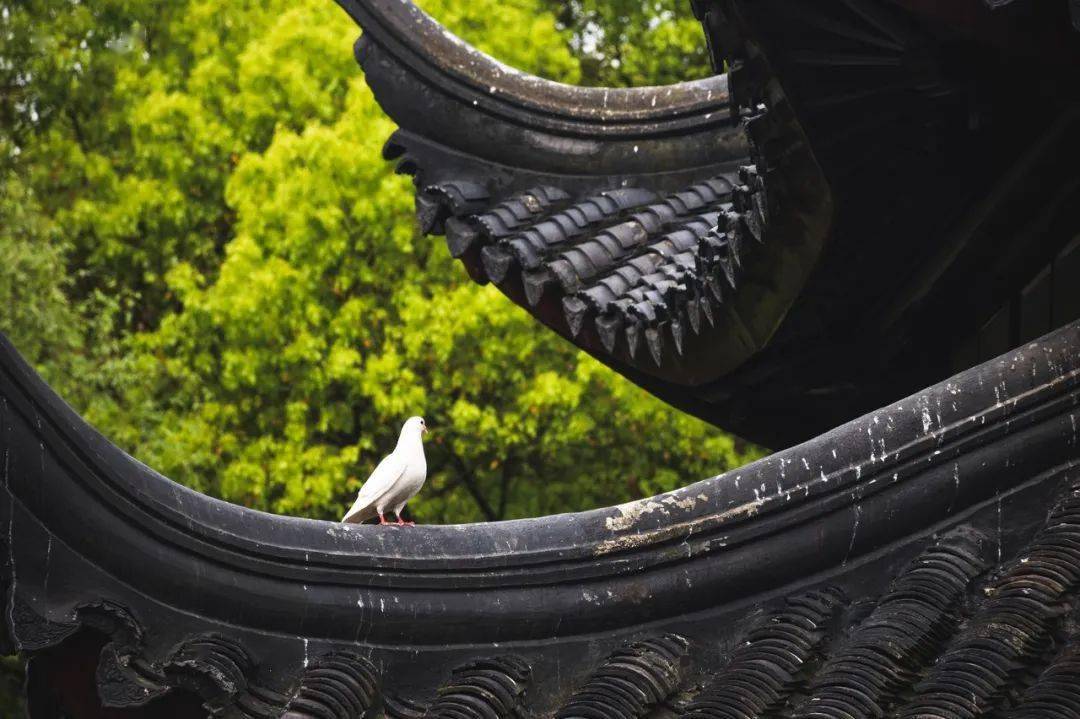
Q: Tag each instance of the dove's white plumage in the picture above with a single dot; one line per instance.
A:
(396, 479)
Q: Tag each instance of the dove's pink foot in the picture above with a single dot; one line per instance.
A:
(402, 523)
(382, 520)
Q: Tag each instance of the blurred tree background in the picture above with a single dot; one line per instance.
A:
(202, 250)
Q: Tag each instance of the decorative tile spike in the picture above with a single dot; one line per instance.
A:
(716, 289)
(429, 213)
(706, 307)
(460, 237)
(677, 334)
(633, 338)
(607, 327)
(734, 246)
(654, 338)
(753, 220)
(729, 273)
(536, 284)
(497, 262)
(575, 311)
(693, 313)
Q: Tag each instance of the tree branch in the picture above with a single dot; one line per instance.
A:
(504, 484)
(471, 486)
(76, 128)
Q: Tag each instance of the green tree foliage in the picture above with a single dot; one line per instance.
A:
(634, 42)
(202, 249)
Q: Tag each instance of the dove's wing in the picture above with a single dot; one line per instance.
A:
(386, 474)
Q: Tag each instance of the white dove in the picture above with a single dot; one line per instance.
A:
(395, 480)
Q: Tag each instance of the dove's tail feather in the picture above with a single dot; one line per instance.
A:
(356, 514)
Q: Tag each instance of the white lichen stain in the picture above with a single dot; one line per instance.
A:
(337, 530)
(632, 541)
(688, 503)
(630, 513)
(618, 544)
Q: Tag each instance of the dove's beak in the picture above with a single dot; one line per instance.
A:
(423, 430)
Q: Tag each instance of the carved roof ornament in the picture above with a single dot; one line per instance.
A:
(633, 221)
(689, 236)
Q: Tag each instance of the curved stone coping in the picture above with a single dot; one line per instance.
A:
(897, 470)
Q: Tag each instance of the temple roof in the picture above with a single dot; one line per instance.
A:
(772, 238)
(861, 205)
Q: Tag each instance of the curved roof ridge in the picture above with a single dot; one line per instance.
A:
(428, 49)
